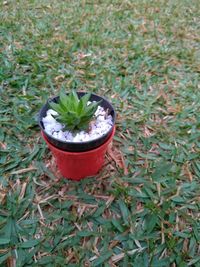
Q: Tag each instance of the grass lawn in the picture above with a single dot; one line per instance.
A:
(143, 208)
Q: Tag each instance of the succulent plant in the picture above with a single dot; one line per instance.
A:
(73, 112)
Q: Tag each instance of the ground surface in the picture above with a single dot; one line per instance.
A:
(143, 208)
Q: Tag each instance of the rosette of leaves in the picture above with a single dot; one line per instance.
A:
(73, 112)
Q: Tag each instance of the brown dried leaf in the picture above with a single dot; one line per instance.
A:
(11, 262)
(82, 55)
(113, 244)
(51, 164)
(3, 193)
(118, 157)
(147, 132)
(118, 257)
(59, 77)
(187, 172)
(143, 28)
(3, 145)
(174, 109)
(23, 190)
(24, 170)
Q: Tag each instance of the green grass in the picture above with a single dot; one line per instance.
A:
(142, 55)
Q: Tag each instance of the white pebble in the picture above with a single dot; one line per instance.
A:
(49, 129)
(68, 136)
(48, 120)
(61, 136)
(52, 112)
(55, 134)
(57, 127)
(100, 118)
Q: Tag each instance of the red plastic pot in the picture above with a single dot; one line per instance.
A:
(78, 165)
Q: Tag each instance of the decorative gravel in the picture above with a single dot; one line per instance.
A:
(98, 127)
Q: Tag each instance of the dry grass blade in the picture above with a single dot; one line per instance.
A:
(187, 172)
(24, 170)
(117, 258)
(23, 190)
(118, 157)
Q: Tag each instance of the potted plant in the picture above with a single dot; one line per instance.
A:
(77, 128)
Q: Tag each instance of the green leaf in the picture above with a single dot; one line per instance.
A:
(124, 211)
(118, 225)
(75, 97)
(85, 99)
(63, 98)
(194, 261)
(80, 108)
(8, 228)
(192, 247)
(4, 241)
(160, 262)
(102, 258)
(178, 199)
(99, 211)
(30, 243)
(151, 221)
(58, 108)
(162, 169)
(91, 108)
(85, 233)
(29, 221)
(46, 260)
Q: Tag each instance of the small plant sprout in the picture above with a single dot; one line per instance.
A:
(74, 113)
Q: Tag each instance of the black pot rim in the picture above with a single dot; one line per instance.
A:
(84, 143)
